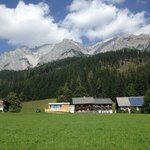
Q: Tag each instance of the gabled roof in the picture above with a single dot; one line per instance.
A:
(91, 100)
(130, 101)
(83, 100)
(123, 102)
(103, 101)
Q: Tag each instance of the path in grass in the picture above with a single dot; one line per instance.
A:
(42, 131)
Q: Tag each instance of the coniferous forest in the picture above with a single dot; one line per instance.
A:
(121, 73)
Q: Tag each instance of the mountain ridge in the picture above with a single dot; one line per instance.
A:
(24, 58)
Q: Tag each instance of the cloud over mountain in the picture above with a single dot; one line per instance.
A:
(98, 20)
(33, 24)
(30, 24)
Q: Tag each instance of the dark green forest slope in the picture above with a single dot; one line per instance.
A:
(111, 74)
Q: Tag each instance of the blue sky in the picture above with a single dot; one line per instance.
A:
(35, 22)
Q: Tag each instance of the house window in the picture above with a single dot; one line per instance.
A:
(55, 107)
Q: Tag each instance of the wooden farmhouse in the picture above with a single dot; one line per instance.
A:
(1, 105)
(58, 107)
(126, 103)
(89, 104)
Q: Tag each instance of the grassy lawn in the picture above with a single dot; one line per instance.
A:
(87, 131)
(31, 106)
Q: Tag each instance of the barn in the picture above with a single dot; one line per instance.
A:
(90, 104)
(127, 103)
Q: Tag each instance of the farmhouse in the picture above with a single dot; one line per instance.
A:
(126, 103)
(87, 104)
(58, 107)
(1, 105)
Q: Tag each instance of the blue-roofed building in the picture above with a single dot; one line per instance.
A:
(126, 103)
(136, 101)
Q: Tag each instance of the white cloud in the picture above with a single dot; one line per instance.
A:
(145, 29)
(31, 25)
(144, 2)
(114, 1)
(95, 19)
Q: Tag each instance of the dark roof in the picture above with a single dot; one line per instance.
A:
(91, 100)
(130, 101)
(103, 101)
(83, 100)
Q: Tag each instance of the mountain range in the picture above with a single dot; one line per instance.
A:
(25, 57)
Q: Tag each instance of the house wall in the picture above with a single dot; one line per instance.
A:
(63, 108)
(1, 105)
(1, 108)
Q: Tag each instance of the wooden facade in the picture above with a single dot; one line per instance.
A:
(89, 104)
(58, 107)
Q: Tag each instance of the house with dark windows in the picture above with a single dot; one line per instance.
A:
(90, 104)
(127, 103)
(60, 107)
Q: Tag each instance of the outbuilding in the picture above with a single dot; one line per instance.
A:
(127, 103)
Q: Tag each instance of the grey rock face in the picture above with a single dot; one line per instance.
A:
(140, 42)
(23, 58)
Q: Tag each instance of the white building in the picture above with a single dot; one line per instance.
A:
(1, 105)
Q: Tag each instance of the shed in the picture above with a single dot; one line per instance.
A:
(130, 102)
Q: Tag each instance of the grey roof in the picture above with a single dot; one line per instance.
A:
(103, 101)
(130, 101)
(123, 101)
(91, 100)
(83, 100)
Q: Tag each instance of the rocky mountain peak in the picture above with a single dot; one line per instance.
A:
(24, 57)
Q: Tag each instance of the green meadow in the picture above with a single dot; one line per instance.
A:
(64, 131)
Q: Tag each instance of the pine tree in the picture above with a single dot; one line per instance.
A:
(65, 94)
(14, 102)
(146, 108)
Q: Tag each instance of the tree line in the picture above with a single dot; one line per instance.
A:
(121, 73)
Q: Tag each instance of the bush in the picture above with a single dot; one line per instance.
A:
(13, 102)
(146, 108)
(38, 110)
(134, 110)
(122, 111)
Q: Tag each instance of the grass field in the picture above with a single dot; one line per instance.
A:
(89, 131)
(31, 106)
